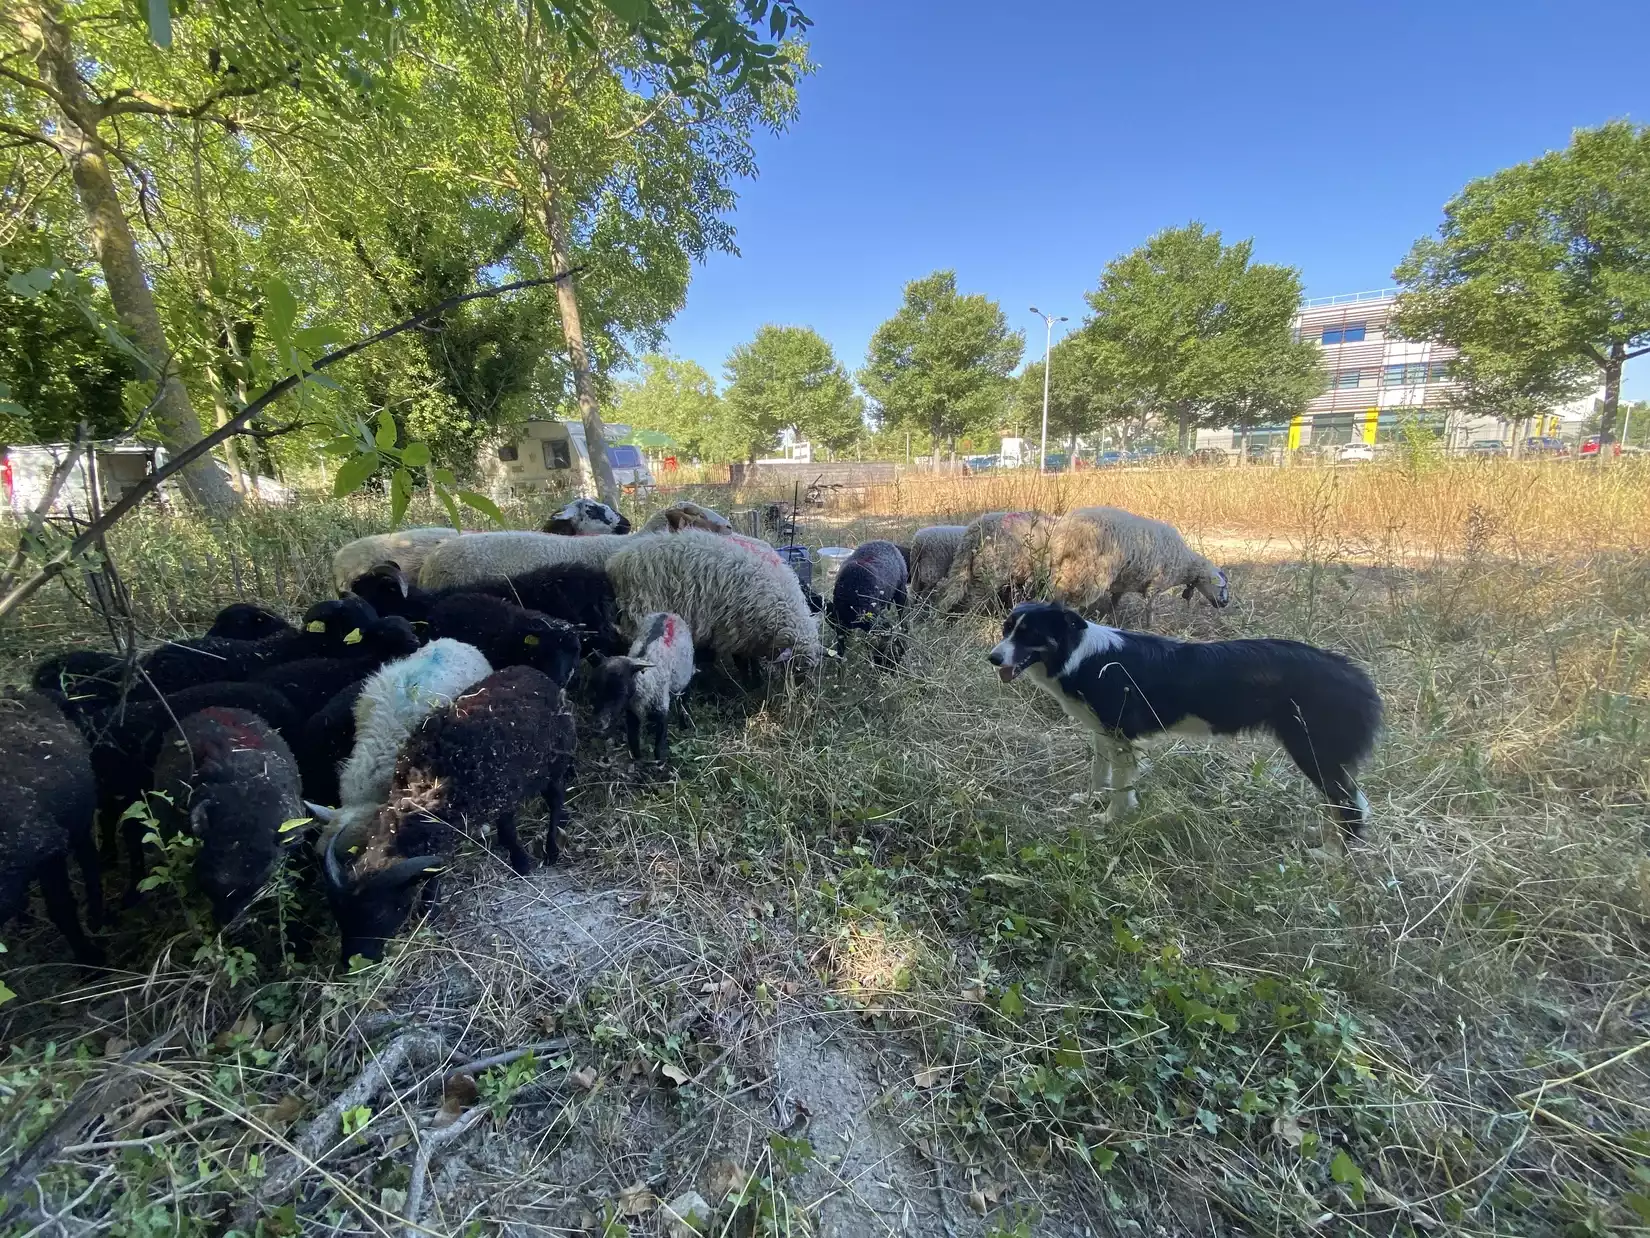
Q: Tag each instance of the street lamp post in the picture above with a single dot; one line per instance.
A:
(1048, 347)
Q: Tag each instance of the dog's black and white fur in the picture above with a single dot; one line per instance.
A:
(1122, 686)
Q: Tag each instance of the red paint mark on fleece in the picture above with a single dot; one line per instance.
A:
(671, 629)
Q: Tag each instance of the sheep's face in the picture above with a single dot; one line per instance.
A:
(551, 646)
(1213, 587)
(370, 908)
(237, 857)
(585, 518)
(611, 686)
(681, 516)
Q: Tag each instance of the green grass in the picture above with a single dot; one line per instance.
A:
(1195, 1022)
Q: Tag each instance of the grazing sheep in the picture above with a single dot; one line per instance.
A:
(244, 621)
(872, 581)
(235, 782)
(327, 631)
(45, 815)
(736, 604)
(507, 634)
(1099, 554)
(126, 741)
(470, 764)
(406, 548)
(932, 550)
(324, 743)
(642, 686)
(685, 515)
(82, 681)
(392, 704)
(495, 556)
(586, 518)
(1002, 559)
(309, 683)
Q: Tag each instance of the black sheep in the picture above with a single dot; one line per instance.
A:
(324, 744)
(470, 764)
(245, 621)
(507, 634)
(872, 581)
(126, 741)
(46, 813)
(83, 681)
(326, 632)
(309, 683)
(234, 781)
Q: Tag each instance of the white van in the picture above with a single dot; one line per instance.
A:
(117, 465)
(551, 455)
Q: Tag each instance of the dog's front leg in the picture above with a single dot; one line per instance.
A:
(1100, 766)
(1125, 767)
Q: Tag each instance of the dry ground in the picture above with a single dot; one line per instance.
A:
(862, 967)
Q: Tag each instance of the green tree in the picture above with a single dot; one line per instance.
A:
(678, 398)
(1547, 259)
(1204, 330)
(788, 377)
(941, 364)
(1087, 393)
(1515, 387)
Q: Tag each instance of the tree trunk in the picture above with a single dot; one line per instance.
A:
(1071, 454)
(117, 253)
(1185, 418)
(572, 325)
(1612, 399)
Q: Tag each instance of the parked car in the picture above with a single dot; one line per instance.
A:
(1534, 446)
(979, 464)
(1210, 456)
(1486, 447)
(1589, 447)
(1355, 453)
(1109, 459)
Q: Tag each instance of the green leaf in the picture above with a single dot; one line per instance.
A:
(353, 473)
(1104, 1158)
(1012, 1004)
(482, 504)
(356, 1119)
(1342, 1170)
(446, 498)
(160, 22)
(444, 477)
(385, 438)
(30, 283)
(280, 310)
(401, 488)
(295, 823)
(319, 338)
(1229, 1022)
(1640, 1204)
(5, 993)
(415, 455)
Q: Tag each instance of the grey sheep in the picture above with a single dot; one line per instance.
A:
(642, 685)
(1003, 558)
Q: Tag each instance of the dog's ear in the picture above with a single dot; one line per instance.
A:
(1076, 626)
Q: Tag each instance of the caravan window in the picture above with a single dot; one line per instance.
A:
(625, 457)
(507, 452)
(556, 454)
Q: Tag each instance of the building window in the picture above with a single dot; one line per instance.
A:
(1408, 424)
(1332, 429)
(507, 452)
(1350, 333)
(556, 454)
(1348, 378)
(1438, 371)
(1411, 373)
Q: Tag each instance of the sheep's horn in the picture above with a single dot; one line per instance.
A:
(336, 877)
(321, 812)
(403, 871)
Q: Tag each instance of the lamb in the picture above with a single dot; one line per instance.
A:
(586, 518)
(685, 515)
(46, 814)
(1099, 554)
(470, 764)
(406, 548)
(326, 630)
(507, 634)
(392, 704)
(735, 604)
(932, 550)
(495, 556)
(1002, 558)
(642, 685)
(245, 621)
(871, 582)
(309, 683)
(235, 782)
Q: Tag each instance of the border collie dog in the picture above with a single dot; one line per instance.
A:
(1122, 686)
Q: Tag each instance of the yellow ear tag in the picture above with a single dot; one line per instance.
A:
(316, 625)
(529, 640)
(354, 638)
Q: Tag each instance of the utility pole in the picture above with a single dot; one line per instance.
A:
(1048, 351)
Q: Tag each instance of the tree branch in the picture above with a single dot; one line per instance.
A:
(45, 88)
(647, 119)
(130, 99)
(30, 135)
(1636, 353)
(235, 425)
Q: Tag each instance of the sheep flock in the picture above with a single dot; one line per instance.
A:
(448, 684)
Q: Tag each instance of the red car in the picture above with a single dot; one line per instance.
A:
(1589, 447)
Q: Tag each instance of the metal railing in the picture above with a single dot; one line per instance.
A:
(1350, 298)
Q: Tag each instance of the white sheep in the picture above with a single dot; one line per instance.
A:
(932, 551)
(406, 548)
(1099, 554)
(1002, 558)
(393, 703)
(642, 686)
(685, 515)
(736, 602)
(494, 556)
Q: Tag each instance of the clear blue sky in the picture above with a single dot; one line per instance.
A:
(1026, 146)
